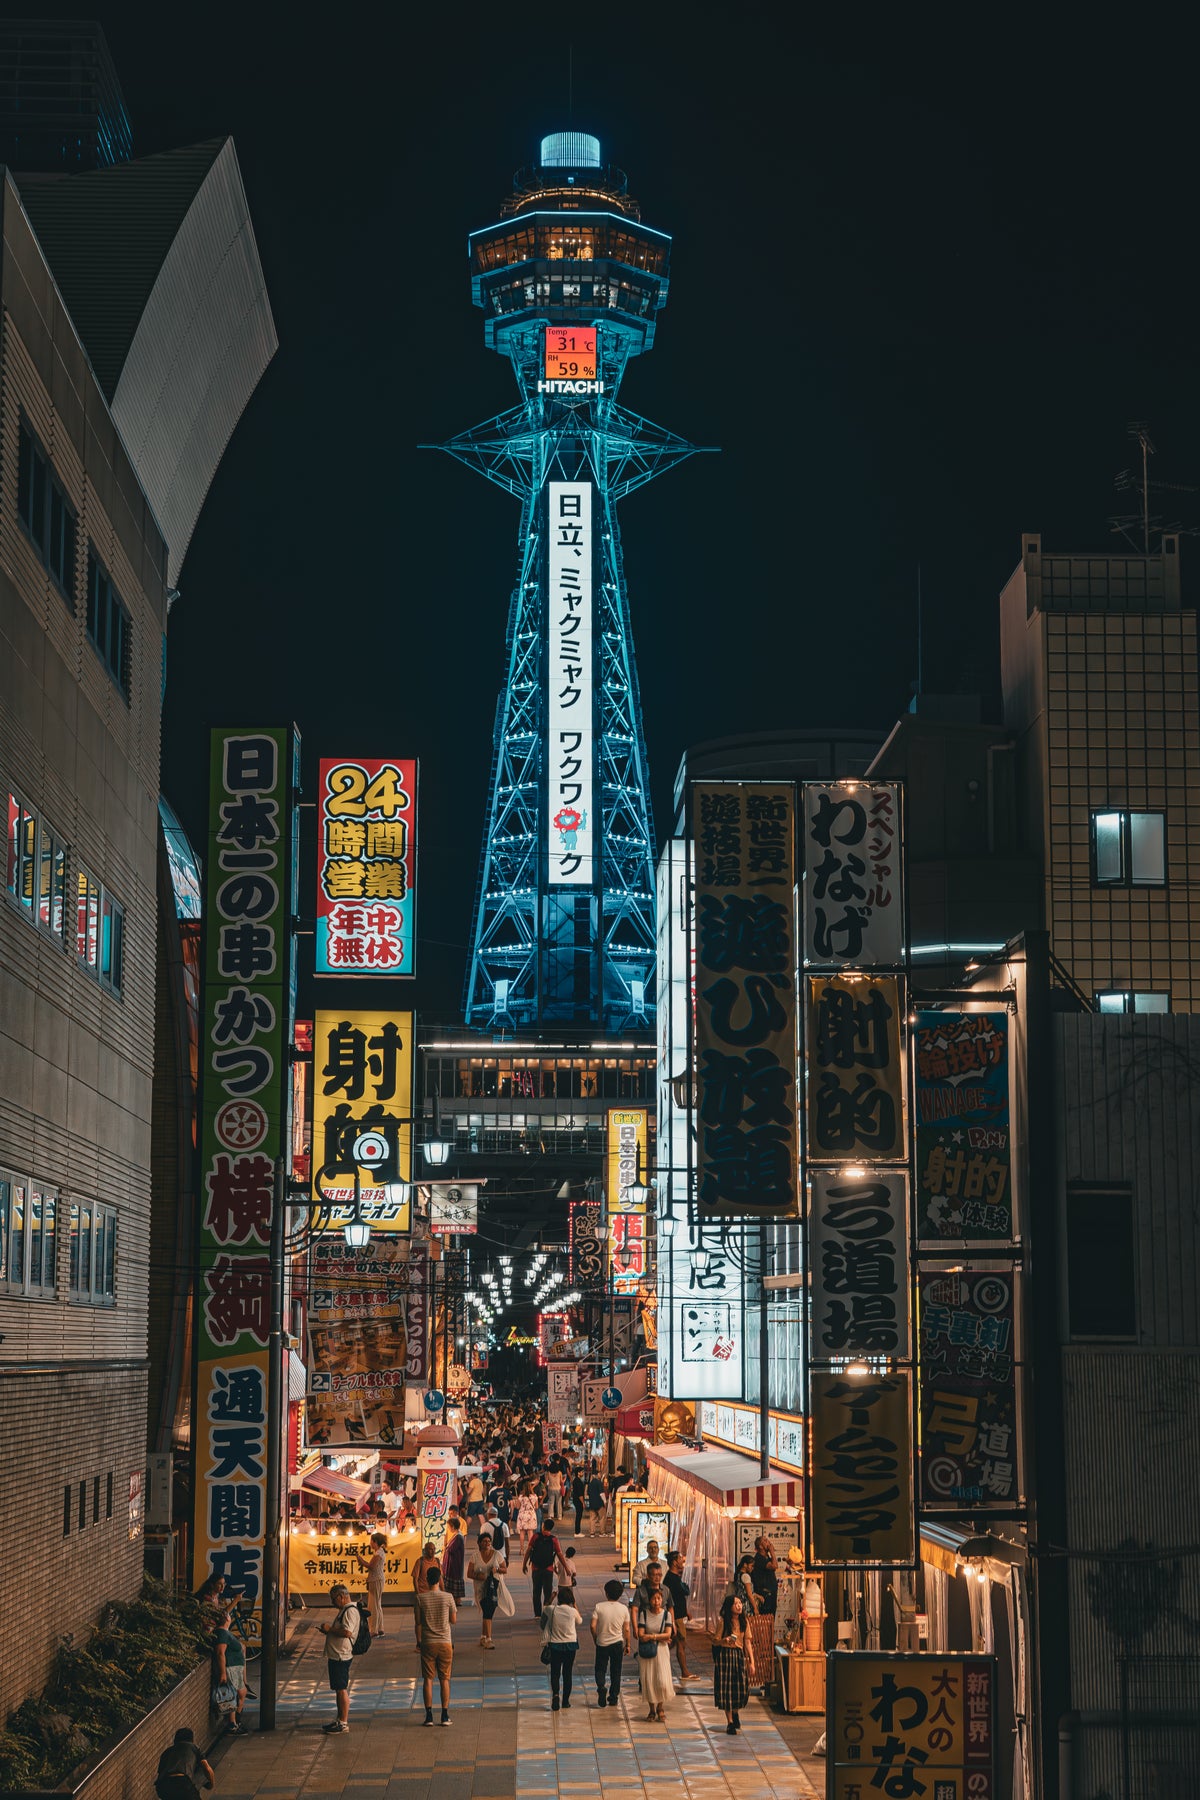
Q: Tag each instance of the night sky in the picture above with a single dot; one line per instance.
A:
(921, 283)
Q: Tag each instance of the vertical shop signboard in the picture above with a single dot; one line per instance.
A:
(916, 1723)
(968, 1389)
(964, 1159)
(366, 867)
(859, 1265)
(416, 1313)
(627, 1162)
(362, 1111)
(707, 1321)
(585, 1245)
(860, 1479)
(745, 1000)
(242, 1122)
(853, 911)
(855, 1071)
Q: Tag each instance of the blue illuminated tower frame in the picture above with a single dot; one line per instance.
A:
(570, 250)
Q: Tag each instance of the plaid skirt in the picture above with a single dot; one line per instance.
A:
(731, 1683)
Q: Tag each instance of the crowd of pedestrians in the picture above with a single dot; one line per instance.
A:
(514, 1500)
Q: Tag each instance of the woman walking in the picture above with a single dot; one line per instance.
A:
(733, 1664)
(578, 1499)
(229, 1669)
(560, 1635)
(485, 1569)
(527, 1518)
(376, 1573)
(656, 1628)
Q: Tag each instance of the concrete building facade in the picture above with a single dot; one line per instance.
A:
(83, 570)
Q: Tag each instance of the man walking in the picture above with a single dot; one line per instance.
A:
(339, 1651)
(494, 1523)
(545, 1555)
(678, 1591)
(610, 1634)
(436, 1613)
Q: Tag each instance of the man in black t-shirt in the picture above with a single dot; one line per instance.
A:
(180, 1768)
(544, 1553)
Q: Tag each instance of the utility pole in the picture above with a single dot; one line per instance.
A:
(612, 1377)
(269, 1669)
(764, 1361)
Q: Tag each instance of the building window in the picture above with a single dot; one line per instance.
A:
(28, 1237)
(35, 868)
(108, 622)
(46, 513)
(99, 932)
(1101, 1273)
(1121, 1000)
(1129, 849)
(67, 1510)
(93, 1253)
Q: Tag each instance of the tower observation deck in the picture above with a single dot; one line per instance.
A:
(570, 283)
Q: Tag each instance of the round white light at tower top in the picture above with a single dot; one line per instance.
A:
(570, 150)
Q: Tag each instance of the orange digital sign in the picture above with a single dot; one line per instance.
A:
(570, 353)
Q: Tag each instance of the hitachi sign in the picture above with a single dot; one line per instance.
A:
(570, 387)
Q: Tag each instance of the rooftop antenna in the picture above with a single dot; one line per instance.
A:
(570, 84)
(920, 638)
(1127, 481)
(1141, 436)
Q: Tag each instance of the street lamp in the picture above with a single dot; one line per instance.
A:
(358, 1234)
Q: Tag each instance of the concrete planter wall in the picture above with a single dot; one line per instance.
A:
(126, 1770)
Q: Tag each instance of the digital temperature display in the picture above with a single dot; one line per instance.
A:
(570, 353)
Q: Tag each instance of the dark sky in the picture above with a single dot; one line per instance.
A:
(921, 282)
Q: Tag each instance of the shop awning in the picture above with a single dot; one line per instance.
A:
(726, 1477)
(297, 1377)
(328, 1481)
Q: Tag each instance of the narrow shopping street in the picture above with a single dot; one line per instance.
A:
(503, 1739)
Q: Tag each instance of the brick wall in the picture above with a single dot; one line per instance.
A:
(127, 1771)
(58, 1430)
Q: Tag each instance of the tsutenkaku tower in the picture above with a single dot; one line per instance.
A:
(571, 283)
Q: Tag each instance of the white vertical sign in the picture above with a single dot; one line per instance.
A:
(570, 746)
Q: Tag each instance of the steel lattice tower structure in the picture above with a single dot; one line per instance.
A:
(570, 282)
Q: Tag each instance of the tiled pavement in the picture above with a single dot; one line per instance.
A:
(504, 1740)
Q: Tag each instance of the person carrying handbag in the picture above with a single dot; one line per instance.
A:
(656, 1628)
(560, 1640)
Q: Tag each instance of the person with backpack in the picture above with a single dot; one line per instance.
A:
(545, 1554)
(342, 1640)
(179, 1768)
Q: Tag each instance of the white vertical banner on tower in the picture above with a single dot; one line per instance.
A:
(570, 760)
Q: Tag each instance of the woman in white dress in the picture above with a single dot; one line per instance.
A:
(527, 1518)
(656, 1627)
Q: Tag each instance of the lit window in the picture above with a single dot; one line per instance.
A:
(108, 622)
(99, 931)
(28, 1236)
(35, 867)
(1120, 1000)
(93, 1253)
(1129, 849)
(46, 513)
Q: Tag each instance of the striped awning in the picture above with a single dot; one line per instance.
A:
(727, 1478)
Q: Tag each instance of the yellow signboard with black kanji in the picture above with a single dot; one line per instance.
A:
(322, 1553)
(362, 1110)
(911, 1722)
